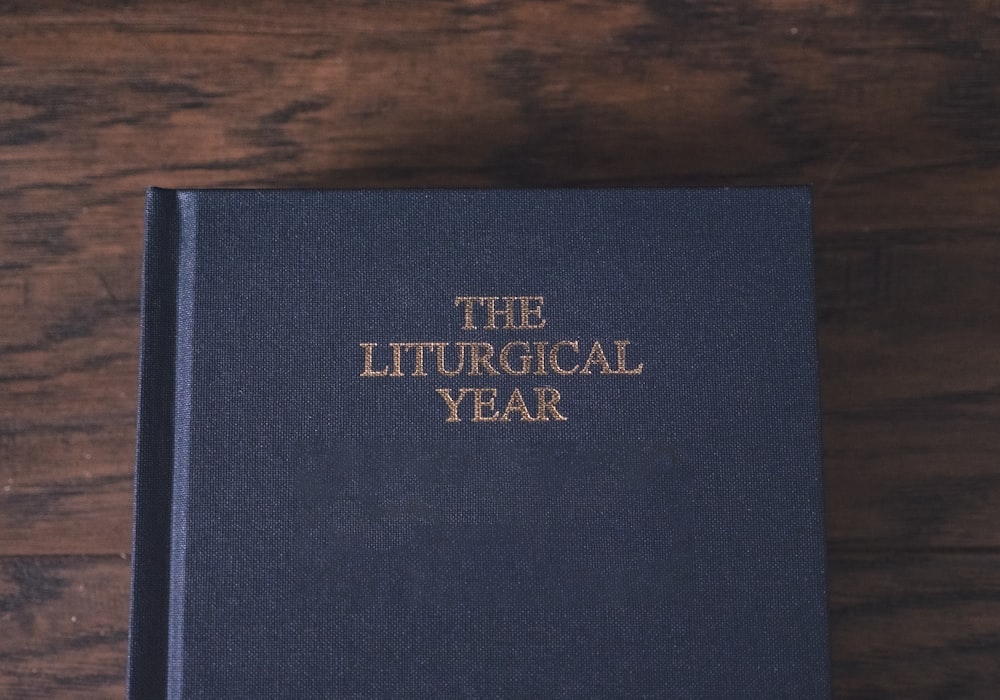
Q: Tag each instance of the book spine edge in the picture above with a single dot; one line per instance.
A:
(183, 367)
(146, 674)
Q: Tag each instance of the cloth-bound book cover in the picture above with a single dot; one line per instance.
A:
(479, 444)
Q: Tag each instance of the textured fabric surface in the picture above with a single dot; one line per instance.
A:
(655, 531)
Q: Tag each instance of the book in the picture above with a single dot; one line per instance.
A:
(525, 443)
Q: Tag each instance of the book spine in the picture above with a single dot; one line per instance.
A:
(155, 448)
(183, 392)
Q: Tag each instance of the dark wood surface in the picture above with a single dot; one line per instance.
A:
(890, 108)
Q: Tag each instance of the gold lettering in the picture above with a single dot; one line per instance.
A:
(548, 398)
(452, 403)
(469, 304)
(418, 357)
(368, 371)
(479, 403)
(596, 357)
(397, 359)
(516, 358)
(527, 317)
(440, 348)
(554, 357)
(516, 405)
(492, 313)
(621, 345)
(525, 358)
(531, 307)
(480, 358)
(540, 359)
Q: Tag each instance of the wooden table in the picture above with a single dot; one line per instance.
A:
(890, 108)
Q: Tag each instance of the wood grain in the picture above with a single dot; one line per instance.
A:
(66, 625)
(889, 107)
(915, 625)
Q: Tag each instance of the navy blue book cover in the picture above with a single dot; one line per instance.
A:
(479, 444)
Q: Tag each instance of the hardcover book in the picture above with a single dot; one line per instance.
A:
(478, 444)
